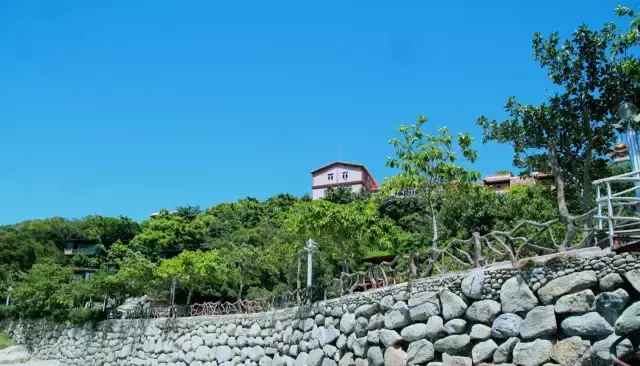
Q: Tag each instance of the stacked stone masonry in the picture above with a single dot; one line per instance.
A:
(567, 310)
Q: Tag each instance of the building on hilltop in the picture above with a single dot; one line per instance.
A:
(504, 181)
(341, 174)
(83, 248)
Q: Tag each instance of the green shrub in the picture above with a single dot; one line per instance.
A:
(7, 311)
(80, 316)
(5, 341)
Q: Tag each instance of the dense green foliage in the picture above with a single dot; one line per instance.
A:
(244, 249)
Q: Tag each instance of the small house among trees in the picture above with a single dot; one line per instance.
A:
(340, 174)
(504, 181)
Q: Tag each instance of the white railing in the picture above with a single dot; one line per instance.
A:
(618, 200)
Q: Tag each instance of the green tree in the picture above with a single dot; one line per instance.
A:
(344, 195)
(108, 230)
(44, 291)
(167, 231)
(427, 164)
(345, 232)
(201, 271)
(573, 131)
(470, 208)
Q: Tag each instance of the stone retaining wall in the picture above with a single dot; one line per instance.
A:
(565, 310)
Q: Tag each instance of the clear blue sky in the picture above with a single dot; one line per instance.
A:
(126, 107)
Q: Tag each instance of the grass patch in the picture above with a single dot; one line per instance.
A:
(5, 341)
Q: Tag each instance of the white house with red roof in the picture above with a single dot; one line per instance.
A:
(341, 174)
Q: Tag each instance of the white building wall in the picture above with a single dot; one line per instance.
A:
(322, 178)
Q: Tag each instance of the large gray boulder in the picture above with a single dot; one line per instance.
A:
(633, 277)
(315, 357)
(611, 304)
(375, 356)
(601, 350)
(483, 351)
(458, 344)
(420, 352)
(347, 360)
(367, 310)
(373, 337)
(629, 320)
(516, 296)
(301, 359)
(480, 332)
(420, 311)
(325, 335)
(348, 323)
(455, 326)
(568, 351)
(539, 323)
(361, 326)
(376, 322)
(483, 311)
(360, 346)
(590, 325)
(327, 362)
(132, 306)
(395, 357)
(435, 328)
(397, 317)
(452, 305)
(203, 353)
(472, 284)
(389, 337)
(533, 353)
(611, 282)
(449, 360)
(503, 353)
(223, 354)
(414, 332)
(570, 283)
(578, 303)
(506, 326)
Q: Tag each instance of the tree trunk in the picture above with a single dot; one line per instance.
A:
(241, 289)
(189, 295)
(565, 216)
(434, 224)
(587, 187)
(413, 270)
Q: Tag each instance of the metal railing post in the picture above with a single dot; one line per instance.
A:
(599, 200)
(610, 214)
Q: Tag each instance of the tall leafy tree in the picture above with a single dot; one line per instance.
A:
(194, 270)
(428, 163)
(572, 132)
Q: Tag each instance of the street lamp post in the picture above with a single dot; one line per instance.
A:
(628, 113)
(310, 247)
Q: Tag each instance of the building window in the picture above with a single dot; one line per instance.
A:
(330, 176)
(345, 175)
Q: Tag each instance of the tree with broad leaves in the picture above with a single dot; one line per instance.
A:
(428, 163)
(572, 132)
(625, 52)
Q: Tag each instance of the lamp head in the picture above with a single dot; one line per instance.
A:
(627, 111)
